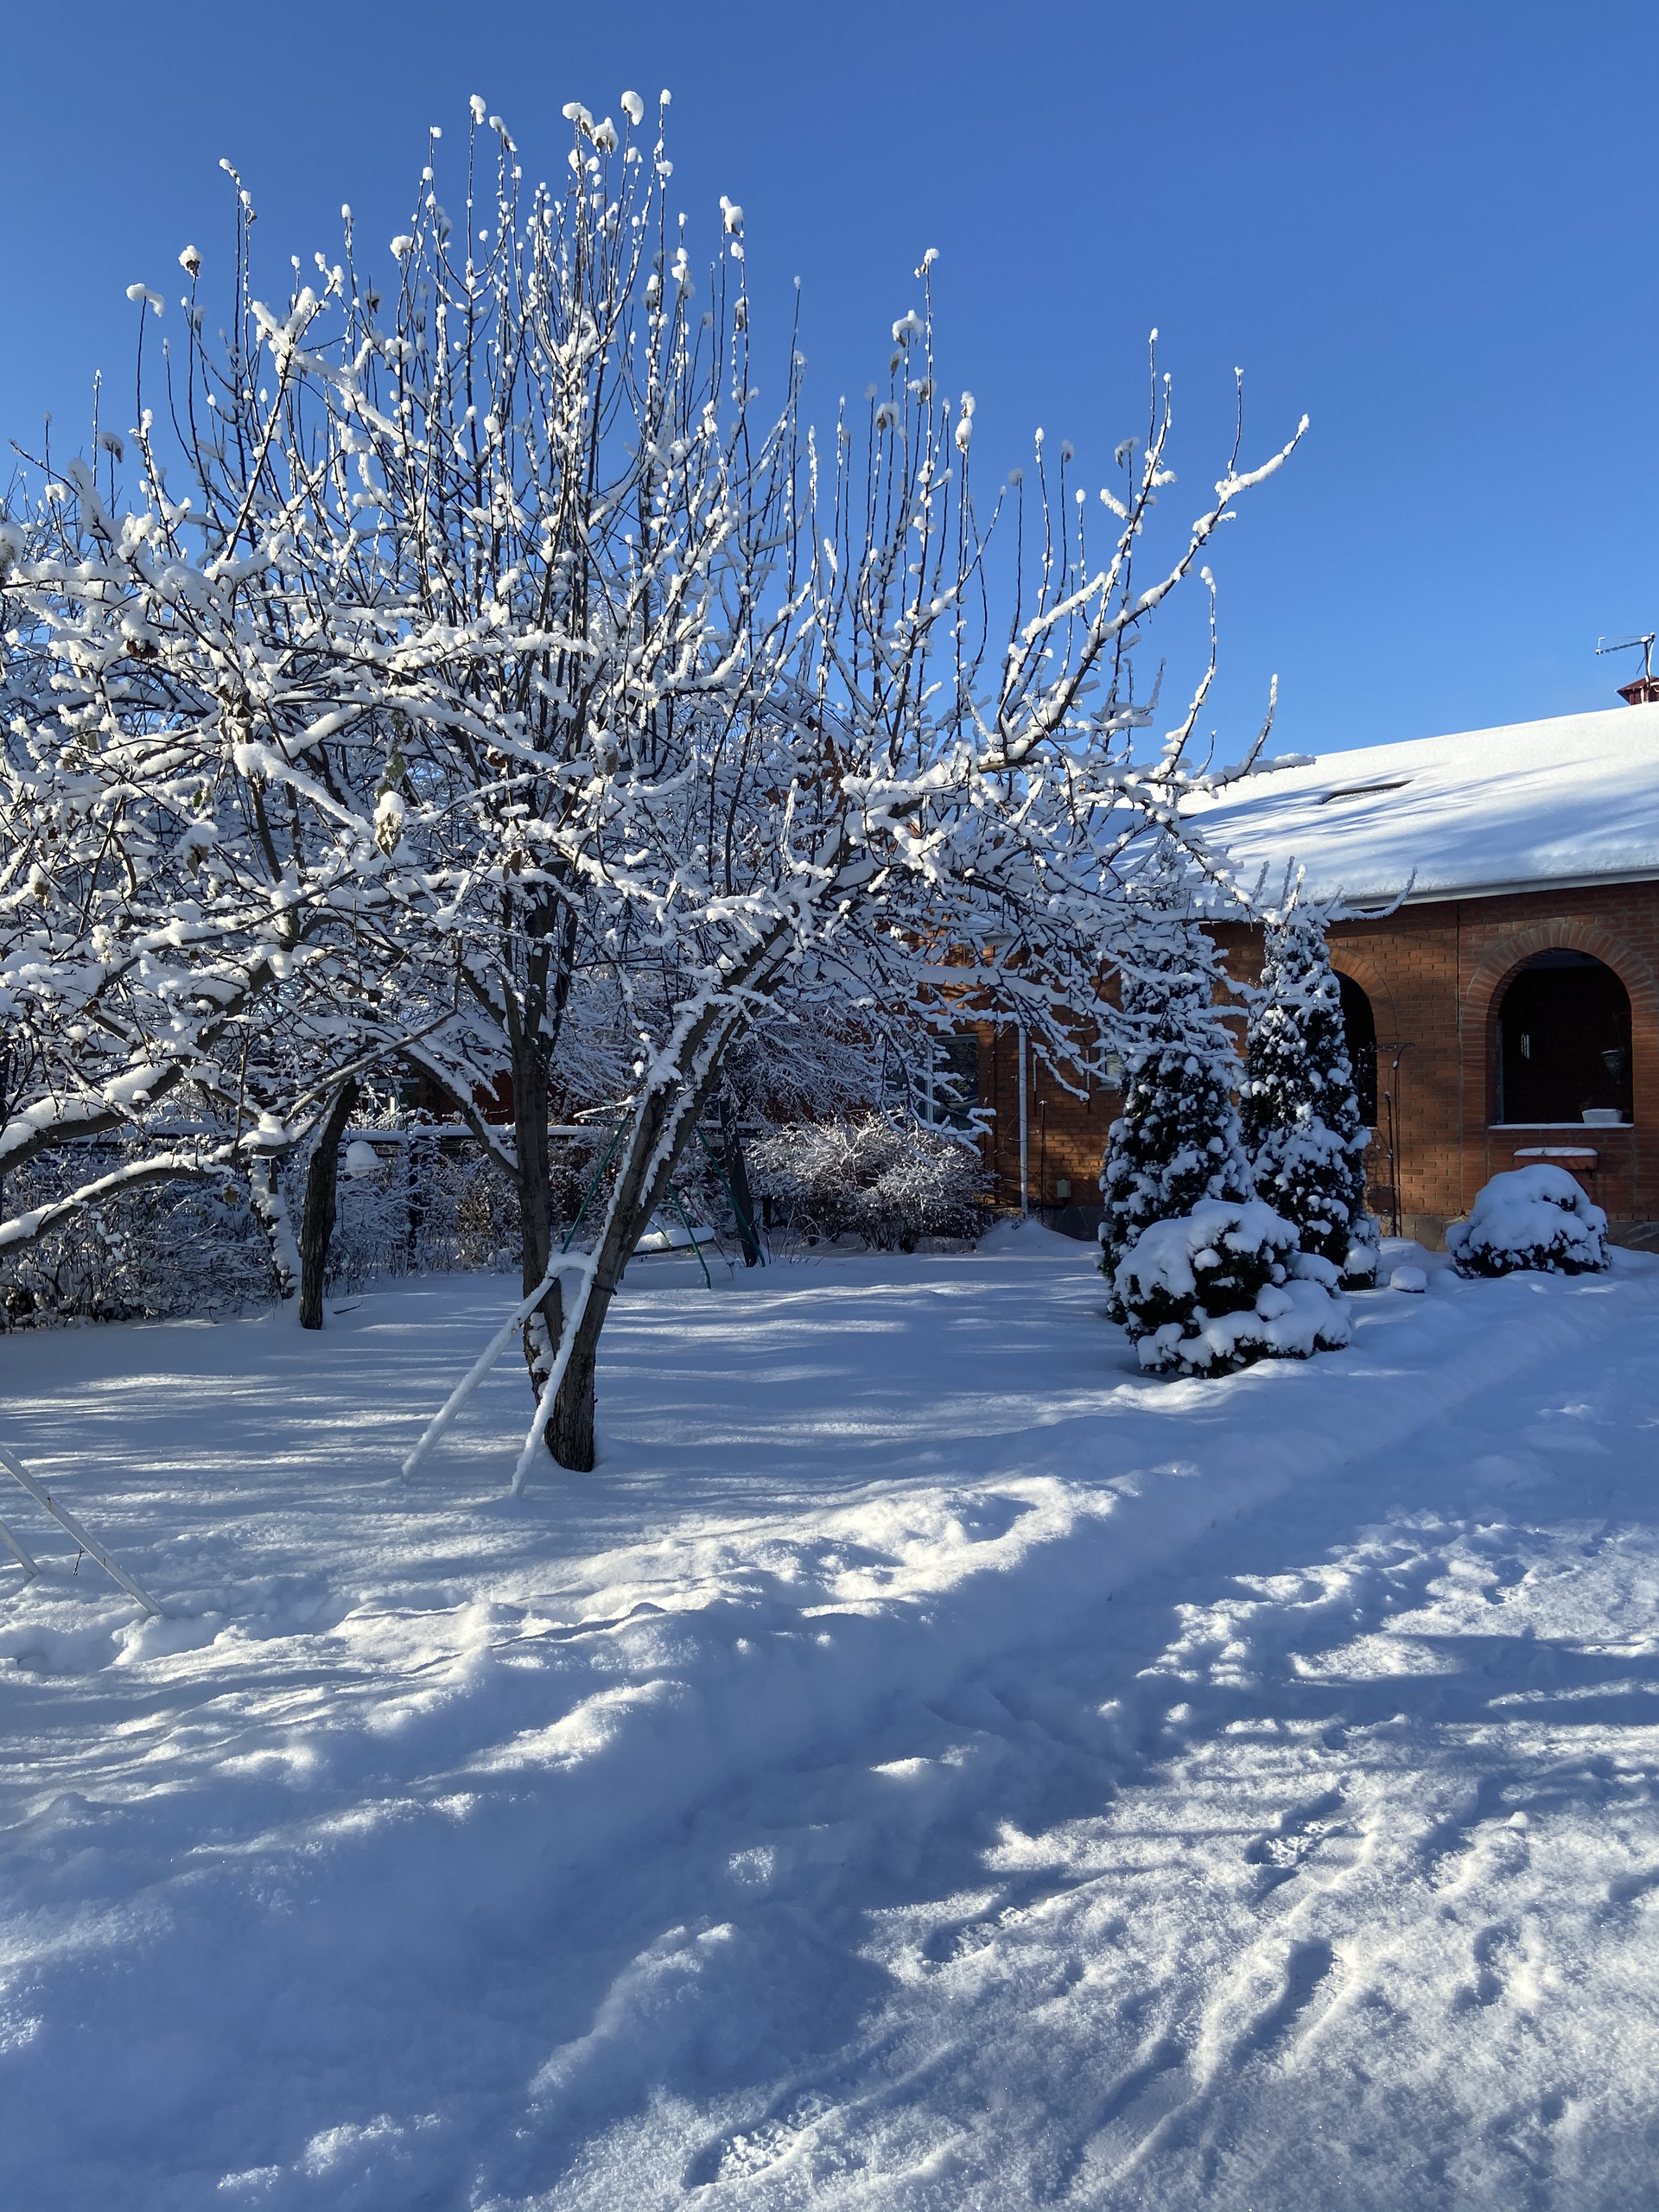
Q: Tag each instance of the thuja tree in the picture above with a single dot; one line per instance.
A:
(1178, 1141)
(1302, 1129)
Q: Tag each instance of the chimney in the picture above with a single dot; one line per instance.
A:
(1642, 693)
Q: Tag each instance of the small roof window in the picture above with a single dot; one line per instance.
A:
(1364, 791)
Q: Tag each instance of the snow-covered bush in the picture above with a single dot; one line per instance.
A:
(424, 1208)
(153, 1251)
(1176, 1141)
(1224, 1285)
(1534, 1218)
(891, 1183)
(1302, 1130)
(197, 1246)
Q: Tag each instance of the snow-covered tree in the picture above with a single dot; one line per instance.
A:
(512, 689)
(1300, 1115)
(201, 918)
(1176, 1141)
(706, 712)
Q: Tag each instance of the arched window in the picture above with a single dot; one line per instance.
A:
(1564, 1041)
(1359, 1024)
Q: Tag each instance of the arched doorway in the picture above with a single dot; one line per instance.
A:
(1360, 1027)
(1563, 1042)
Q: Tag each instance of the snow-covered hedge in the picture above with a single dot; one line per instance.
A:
(423, 1207)
(891, 1183)
(1224, 1285)
(1534, 1218)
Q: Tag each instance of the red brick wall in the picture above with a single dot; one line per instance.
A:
(1435, 975)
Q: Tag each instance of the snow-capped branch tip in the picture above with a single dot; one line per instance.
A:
(189, 260)
(141, 294)
(1233, 483)
(634, 108)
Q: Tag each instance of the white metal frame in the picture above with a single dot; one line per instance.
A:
(68, 1521)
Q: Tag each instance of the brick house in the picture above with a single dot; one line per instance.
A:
(1508, 1011)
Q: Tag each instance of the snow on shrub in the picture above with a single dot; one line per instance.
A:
(891, 1183)
(1216, 1288)
(1534, 1218)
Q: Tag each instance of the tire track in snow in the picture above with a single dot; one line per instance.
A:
(1286, 1984)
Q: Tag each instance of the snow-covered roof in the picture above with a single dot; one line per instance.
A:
(1573, 800)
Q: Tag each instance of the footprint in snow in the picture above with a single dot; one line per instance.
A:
(1287, 1849)
(749, 2151)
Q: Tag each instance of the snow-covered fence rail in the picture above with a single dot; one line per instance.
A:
(68, 1521)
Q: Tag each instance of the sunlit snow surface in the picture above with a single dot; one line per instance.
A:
(926, 1765)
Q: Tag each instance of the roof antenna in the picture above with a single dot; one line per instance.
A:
(1645, 690)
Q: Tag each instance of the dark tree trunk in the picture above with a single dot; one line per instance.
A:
(529, 1109)
(737, 1180)
(317, 1227)
(640, 1190)
(664, 1119)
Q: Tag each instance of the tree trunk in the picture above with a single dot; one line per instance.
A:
(639, 1192)
(542, 1329)
(664, 1119)
(317, 1222)
(270, 1208)
(737, 1180)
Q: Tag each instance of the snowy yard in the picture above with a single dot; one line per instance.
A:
(926, 1765)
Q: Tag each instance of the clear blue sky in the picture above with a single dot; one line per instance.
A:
(1428, 225)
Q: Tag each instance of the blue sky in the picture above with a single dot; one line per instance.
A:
(1430, 226)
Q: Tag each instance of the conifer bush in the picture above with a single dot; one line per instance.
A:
(1177, 1143)
(1214, 1289)
(1300, 1113)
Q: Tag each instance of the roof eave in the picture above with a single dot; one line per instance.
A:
(1525, 886)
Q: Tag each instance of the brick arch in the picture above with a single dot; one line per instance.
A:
(1373, 981)
(1501, 963)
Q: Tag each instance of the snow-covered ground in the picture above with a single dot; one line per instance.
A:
(926, 1765)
